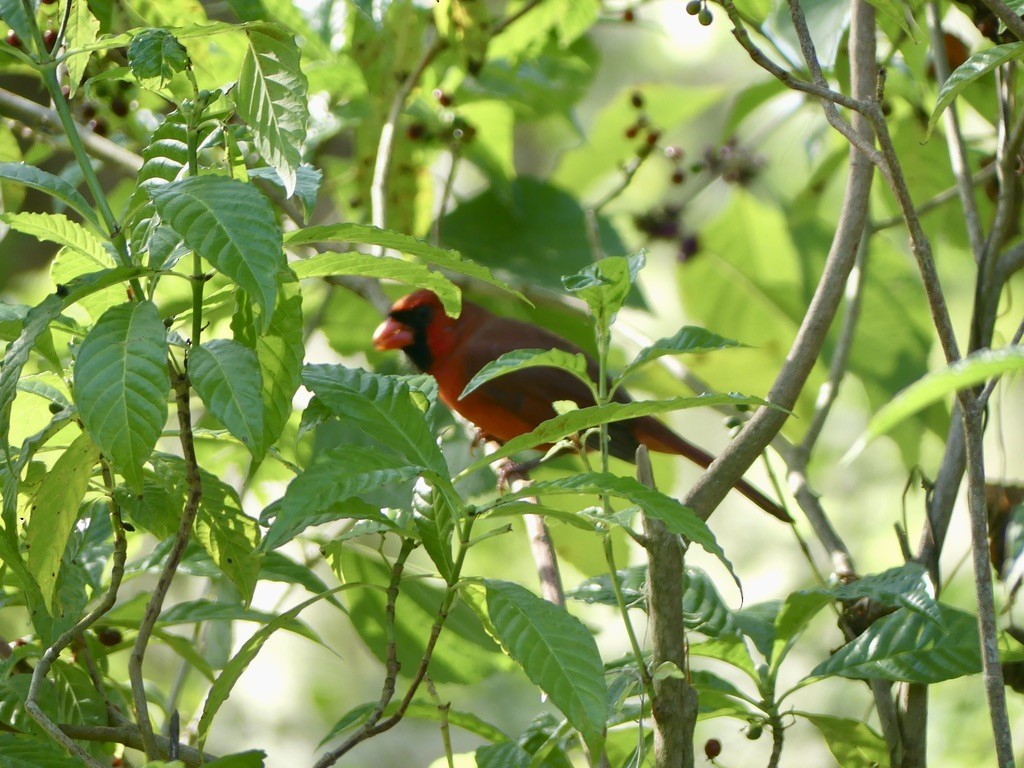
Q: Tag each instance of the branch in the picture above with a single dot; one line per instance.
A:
(129, 735)
(829, 98)
(391, 665)
(712, 487)
(1006, 15)
(181, 538)
(39, 117)
(992, 670)
(674, 705)
(54, 651)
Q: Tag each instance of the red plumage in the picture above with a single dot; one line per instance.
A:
(453, 350)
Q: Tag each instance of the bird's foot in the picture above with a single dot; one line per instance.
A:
(510, 471)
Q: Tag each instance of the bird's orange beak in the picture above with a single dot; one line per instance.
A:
(392, 334)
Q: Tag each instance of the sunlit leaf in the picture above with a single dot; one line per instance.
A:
(554, 648)
(520, 359)
(271, 98)
(121, 385)
(232, 226)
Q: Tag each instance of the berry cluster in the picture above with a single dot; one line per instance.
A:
(651, 135)
(667, 224)
(734, 163)
(449, 127)
(699, 8)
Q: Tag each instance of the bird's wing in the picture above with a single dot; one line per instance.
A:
(517, 402)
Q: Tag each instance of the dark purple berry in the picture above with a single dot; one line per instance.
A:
(712, 748)
(119, 106)
(637, 100)
(108, 636)
(12, 39)
(50, 39)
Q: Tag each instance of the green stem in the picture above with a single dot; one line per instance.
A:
(620, 601)
(195, 114)
(48, 70)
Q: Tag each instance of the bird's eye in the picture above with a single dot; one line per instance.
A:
(422, 312)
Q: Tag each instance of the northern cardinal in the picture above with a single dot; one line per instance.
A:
(454, 349)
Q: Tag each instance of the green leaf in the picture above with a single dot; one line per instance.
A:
(385, 238)
(280, 351)
(507, 754)
(233, 670)
(19, 750)
(52, 185)
(519, 359)
(226, 374)
(678, 518)
(853, 743)
(307, 183)
(231, 225)
(978, 65)
(907, 585)
(599, 589)
(382, 406)
(165, 158)
(582, 419)
(271, 98)
(55, 512)
(155, 56)
(975, 369)
(689, 339)
(541, 235)
(37, 321)
(794, 616)
(434, 518)
(228, 535)
(554, 649)
(197, 611)
(907, 646)
(731, 649)
(121, 384)
(704, 610)
(58, 228)
(365, 265)
(82, 30)
(605, 284)
(336, 475)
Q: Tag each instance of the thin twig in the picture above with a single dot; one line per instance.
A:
(62, 642)
(829, 98)
(154, 606)
(981, 177)
(954, 136)
(386, 144)
(992, 670)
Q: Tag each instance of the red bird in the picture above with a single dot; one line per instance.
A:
(454, 349)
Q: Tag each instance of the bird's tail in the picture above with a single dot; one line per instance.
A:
(657, 437)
